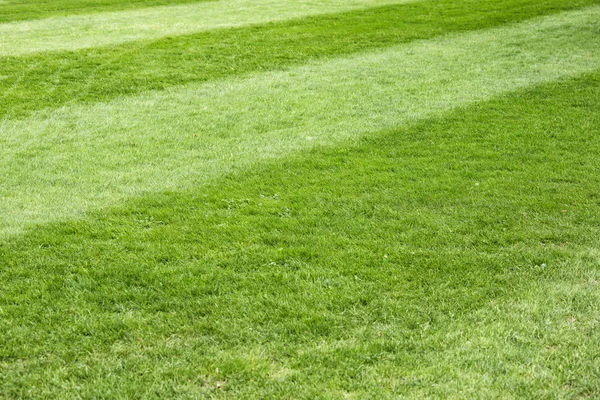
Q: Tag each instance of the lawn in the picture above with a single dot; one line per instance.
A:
(316, 199)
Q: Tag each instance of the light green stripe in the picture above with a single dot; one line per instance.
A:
(59, 163)
(85, 31)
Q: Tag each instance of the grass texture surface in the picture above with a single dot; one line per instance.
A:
(96, 155)
(386, 201)
(31, 82)
(17, 10)
(83, 31)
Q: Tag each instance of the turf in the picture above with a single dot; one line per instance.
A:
(97, 155)
(103, 29)
(17, 10)
(28, 83)
(398, 202)
(455, 255)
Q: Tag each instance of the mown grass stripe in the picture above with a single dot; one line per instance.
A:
(77, 32)
(98, 155)
(32, 82)
(418, 263)
(18, 10)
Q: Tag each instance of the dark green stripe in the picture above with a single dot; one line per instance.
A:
(18, 10)
(52, 80)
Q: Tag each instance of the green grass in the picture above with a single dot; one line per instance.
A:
(17, 10)
(32, 82)
(104, 29)
(96, 155)
(399, 202)
(455, 255)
